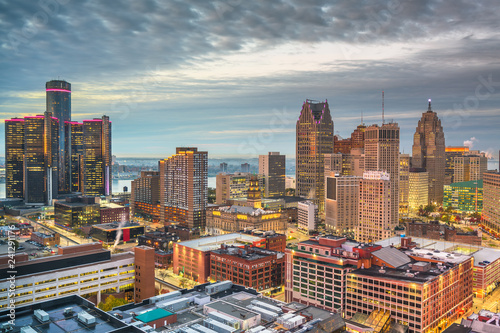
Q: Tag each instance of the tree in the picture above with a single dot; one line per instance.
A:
(290, 191)
(184, 283)
(111, 303)
(16, 243)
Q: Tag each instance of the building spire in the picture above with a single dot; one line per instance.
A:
(429, 109)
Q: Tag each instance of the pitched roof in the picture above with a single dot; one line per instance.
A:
(392, 256)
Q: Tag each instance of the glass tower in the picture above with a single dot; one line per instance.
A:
(58, 97)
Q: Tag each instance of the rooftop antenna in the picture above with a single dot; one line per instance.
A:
(383, 118)
(362, 123)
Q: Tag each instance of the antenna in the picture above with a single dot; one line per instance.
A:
(362, 123)
(383, 118)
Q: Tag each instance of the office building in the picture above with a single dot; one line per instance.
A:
(183, 187)
(307, 212)
(159, 240)
(375, 204)
(425, 293)
(223, 167)
(450, 153)
(429, 152)
(97, 180)
(184, 233)
(116, 233)
(314, 138)
(40, 159)
(234, 186)
(192, 258)
(334, 163)
(341, 203)
(230, 219)
(418, 189)
(45, 239)
(58, 102)
(316, 270)
(145, 196)
(272, 167)
(14, 158)
(491, 200)
(486, 272)
(86, 270)
(464, 196)
(470, 167)
(74, 130)
(76, 212)
(251, 267)
(111, 212)
(382, 154)
(404, 183)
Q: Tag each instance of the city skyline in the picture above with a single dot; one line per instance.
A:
(240, 105)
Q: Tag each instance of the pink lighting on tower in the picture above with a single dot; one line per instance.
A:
(61, 90)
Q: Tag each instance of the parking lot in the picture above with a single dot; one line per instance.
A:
(29, 247)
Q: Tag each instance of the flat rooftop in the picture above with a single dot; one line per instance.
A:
(452, 258)
(116, 225)
(60, 323)
(485, 254)
(231, 309)
(213, 243)
(252, 253)
(432, 244)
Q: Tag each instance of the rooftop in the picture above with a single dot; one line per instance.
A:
(213, 243)
(244, 210)
(231, 309)
(392, 256)
(486, 254)
(152, 315)
(469, 184)
(252, 253)
(116, 225)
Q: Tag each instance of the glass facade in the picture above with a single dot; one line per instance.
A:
(14, 157)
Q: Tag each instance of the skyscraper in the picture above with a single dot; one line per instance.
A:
(74, 131)
(429, 152)
(14, 157)
(382, 154)
(341, 203)
(450, 154)
(272, 166)
(97, 156)
(491, 200)
(314, 138)
(40, 158)
(404, 183)
(183, 187)
(58, 99)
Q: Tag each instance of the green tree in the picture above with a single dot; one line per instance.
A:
(16, 243)
(78, 232)
(211, 195)
(111, 303)
(290, 191)
(184, 283)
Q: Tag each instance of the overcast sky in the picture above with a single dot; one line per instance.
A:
(230, 76)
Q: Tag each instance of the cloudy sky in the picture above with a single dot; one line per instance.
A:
(230, 76)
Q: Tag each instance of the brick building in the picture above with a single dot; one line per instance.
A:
(425, 230)
(111, 212)
(252, 267)
(45, 239)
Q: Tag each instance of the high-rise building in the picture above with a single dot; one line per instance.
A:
(491, 200)
(233, 186)
(145, 196)
(245, 167)
(183, 187)
(404, 183)
(97, 178)
(341, 203)
(40, 158)
(375, 207)
(429, 152)
(74, 131)
(357, 140)
(470, 167)
(14, 157)
(223, 167)
(382, 154)
(272, 166)
(450, 154)
(418, 188)
(333, 163)
(314, 138)
(58, 100)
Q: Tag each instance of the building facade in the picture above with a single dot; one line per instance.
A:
(272, 167)
(469, 167)
(307, 216)
(464, 196)
(230, 219)
(58, 102)
(382, 154)
(491, 200)
(418, 189)
(429, 152)
(183, 187)
(450, 154)
(97, 178)
(234, 186)
(375, 207)
(251, 267)
(404, 183)
(314, 138)
(341, 203)
(76, 212)
(145, 196)
(14, 158)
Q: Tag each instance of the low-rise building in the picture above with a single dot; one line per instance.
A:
(112, 212)
(251, 267)
(115, 233)
(486, 271)
(45, 238)
(76, 212)
(464, 196)
(192, 258)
